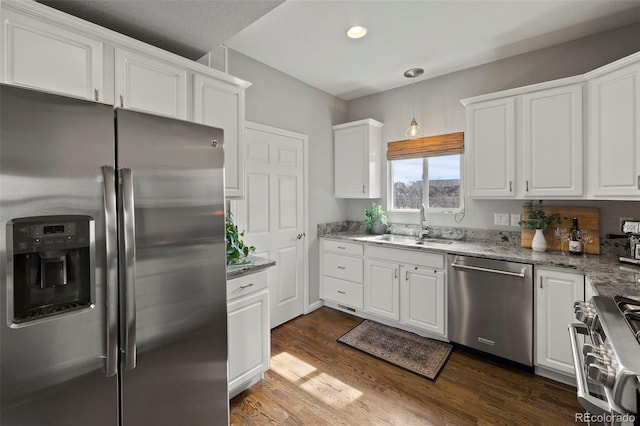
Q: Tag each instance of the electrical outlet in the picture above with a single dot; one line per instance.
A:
(622, 219)
(501, 219)
(515, 219)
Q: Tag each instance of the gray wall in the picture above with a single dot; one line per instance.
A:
(278, 100)
(438, 111)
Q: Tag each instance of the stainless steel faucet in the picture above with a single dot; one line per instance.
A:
(424, 226)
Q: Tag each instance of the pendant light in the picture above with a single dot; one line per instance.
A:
(414, 131)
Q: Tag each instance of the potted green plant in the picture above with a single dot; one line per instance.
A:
(237, 251)
(375, 220)
(537, 219)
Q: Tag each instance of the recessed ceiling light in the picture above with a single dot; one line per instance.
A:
(357, 31)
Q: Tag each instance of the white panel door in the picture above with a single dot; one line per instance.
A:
(272, 213)
(614, 133)
(150, 85)
(422, 299)
(221, 104)
(46, 57)
(490, 144)
(382, 289)
(556, 292)
(552, 142)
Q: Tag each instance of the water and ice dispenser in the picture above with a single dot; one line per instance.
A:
(52, 266)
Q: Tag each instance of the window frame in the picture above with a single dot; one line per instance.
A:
(425, 190)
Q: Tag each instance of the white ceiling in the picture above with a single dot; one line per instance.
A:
(306, 38)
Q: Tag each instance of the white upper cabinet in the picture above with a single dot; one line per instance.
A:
(358, 159)
(220, 104)
(614, 131)
(39, 55)
(552, 142)
(526, 142)
(490, 148)
(147, 84)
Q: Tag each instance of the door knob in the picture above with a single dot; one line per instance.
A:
(300, 236)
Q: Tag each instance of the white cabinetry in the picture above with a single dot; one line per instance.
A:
(552, 142)
(526, 142)
(358, 159)
(614, 131)
(341, 273)
(248, 330)
(220, 104)
(147, 84)
(556, 291)
(382, 289)
(406, 287)
(422, 300)
(491, 143)
(43, 56)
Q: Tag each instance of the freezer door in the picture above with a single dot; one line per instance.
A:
(52, 366)
(173, 272)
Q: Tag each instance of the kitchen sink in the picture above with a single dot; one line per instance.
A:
(410, 240)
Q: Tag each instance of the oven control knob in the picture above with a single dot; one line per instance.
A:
(598, 358)
(583, 306)
(598, 350)
(602, 374)
(585, 317)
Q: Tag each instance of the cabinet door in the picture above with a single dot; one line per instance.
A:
(150, 85)
(249, 341)
(350, 148)
(552, 142)
(614, 134)
(221, 104)
(556, 292)
(422, 302)
(491, 148)
(46, 57)
(382, 289)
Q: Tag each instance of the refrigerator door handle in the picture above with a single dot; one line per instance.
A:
(129, 246)
(111, 242)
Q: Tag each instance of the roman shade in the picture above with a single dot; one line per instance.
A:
(429, 146)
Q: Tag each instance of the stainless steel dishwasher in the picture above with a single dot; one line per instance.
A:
(490, 306)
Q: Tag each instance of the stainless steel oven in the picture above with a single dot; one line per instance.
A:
(606, 355)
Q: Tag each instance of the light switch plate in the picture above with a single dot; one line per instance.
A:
(515, 219)
(501, 219)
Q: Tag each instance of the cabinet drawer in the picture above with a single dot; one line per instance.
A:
(412, 257)
(343, 267)
(343, 247)
(342, 292)
(247, 284)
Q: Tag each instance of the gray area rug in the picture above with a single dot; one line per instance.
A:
(418, 354)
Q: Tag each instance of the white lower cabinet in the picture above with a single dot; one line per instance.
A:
(422, 300)
(341, 273)
(556, 291)
(406, 287)
(249, 343)
(382, 289)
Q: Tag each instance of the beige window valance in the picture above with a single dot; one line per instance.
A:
(429, 146)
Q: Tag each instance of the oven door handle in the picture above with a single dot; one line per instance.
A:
(589, 402)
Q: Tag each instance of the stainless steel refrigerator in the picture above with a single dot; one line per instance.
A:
(112, 298)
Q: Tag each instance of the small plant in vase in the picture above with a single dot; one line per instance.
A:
(537, 219)
(375, 220)
(237, 251)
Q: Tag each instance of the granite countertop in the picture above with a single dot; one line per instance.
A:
(609, 277)
(256, 264)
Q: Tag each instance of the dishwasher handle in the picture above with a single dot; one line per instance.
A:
(520, 274)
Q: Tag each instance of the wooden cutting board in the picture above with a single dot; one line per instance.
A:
(588, 218)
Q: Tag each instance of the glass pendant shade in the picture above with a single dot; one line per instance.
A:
(414, 131)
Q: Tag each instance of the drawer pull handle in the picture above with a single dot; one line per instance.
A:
(342, 247)
(342, 292)
(246, 286)
(341, 267)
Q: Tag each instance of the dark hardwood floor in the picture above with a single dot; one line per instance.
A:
(314, 380)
